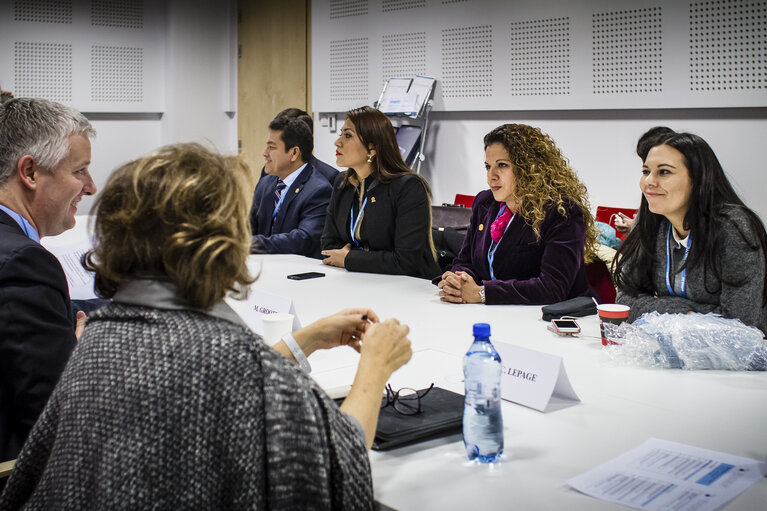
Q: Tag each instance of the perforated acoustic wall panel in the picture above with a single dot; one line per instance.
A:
(627, 55)
(43, 70)
(403, 55)
(467, 61)
(727, 46)
(43, 11)
(398, 5)
(117, 13)
(96, 55)
(540, 57)
(117, 74)
(345, 8)
(544, 54)
(349, 69)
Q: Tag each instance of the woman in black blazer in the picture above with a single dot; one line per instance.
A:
(379, 216)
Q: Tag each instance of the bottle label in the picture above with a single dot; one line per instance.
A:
(475, 396)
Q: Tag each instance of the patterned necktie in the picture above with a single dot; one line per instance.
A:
(278, 192)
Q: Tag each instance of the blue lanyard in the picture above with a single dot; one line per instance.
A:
(669, 269)
(494, 245)
(353, 223)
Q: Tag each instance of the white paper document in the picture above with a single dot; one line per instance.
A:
(395, 98)
(79, 280)
(663, 475)
(421, 88)
(406, 95)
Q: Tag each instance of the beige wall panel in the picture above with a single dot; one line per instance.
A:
(272, 70)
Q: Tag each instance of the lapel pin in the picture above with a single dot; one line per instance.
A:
(372, 199)
(297, 190)
(481, 227)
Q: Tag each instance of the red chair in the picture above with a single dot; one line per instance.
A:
(600, 281)
(463, 200)
(606, 214)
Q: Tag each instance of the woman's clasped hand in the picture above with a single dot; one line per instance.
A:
(458, 287)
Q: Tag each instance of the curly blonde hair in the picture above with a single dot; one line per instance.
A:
(180, 213)
(544, 178)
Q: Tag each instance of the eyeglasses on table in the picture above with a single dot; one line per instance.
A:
(406, 401)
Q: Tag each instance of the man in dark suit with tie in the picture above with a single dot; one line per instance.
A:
(330, 173)
(45, 152)
(290, 201)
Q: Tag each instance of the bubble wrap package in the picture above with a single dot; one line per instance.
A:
(688, 341)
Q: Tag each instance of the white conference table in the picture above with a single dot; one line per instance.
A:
(621, 406)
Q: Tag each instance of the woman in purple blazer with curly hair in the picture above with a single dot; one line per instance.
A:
(530, 233)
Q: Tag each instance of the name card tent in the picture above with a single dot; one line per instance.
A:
(259, 303)
(534, 379)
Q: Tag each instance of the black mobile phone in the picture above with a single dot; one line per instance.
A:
(307, 275)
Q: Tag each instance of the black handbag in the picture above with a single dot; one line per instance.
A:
(447, 243)
(576, 307)
(449, 225)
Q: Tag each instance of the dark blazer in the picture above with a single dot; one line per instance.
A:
(395, 229)
(36, 333)
(330, 173)
(298, 225)
(528, 271)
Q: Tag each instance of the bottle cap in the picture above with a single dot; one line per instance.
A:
(481, 330)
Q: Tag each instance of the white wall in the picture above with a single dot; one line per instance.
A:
(119, 139)
(539, 55)
(594, 74)
(599, 144)
(200, 78)
(201, 73)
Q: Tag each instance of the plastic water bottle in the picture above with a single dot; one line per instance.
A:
(482, 419)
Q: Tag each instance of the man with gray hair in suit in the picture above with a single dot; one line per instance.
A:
(45, 151)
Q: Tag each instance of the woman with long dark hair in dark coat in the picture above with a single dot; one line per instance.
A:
(379, 216)
(695, 246)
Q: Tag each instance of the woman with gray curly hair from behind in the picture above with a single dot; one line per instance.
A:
(168, 400)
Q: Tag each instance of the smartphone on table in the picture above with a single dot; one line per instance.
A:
(306, 275)
(565, 326)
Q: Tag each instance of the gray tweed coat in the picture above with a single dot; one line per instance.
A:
(176, 409)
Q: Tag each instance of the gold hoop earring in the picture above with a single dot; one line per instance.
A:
(370, 158)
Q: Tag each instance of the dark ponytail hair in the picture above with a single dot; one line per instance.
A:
(712, 194)
(376, 132)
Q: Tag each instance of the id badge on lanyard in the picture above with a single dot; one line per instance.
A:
(354, 222)
(494, 245)
(669, 269)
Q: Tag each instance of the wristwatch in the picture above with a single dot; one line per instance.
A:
(482, 293)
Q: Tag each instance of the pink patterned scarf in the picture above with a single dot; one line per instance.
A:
(498, 227)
